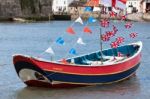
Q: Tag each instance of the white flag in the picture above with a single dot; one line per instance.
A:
(50, 50)
(79, 20)
(96, 9)
(114, 10)
(80, 41)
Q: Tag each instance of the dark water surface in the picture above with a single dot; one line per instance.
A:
(33, 38)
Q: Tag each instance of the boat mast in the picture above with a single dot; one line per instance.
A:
(101, 46)
(101, 43)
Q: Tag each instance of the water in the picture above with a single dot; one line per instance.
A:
(33, 38)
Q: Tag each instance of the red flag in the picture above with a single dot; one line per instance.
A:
(64, 61)
(112, 14)
(123, 1)
(70, 30)
(110, 33)
(123, 17)
(119, 40)
(92, 3)
(87, 30)
(114, 45)
(113, 2)
(104, 23)
(133, 35)
(105, 37)
(128, 25)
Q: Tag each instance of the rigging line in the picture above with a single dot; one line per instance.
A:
(79, 36)
(54, 41)
(61, 36)
(76, 42)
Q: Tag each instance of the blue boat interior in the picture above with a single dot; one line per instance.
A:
(126, 51)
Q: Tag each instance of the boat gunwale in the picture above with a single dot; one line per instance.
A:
(139, 43)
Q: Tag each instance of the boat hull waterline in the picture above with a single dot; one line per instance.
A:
(37, 72)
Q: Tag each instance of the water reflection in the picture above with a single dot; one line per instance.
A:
(129, 87)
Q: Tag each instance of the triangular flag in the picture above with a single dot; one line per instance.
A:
(115, 10)
(96, 9)
(64, 61)
(70, 30)
(73, 51)
(50, 50)
(92, 3)
(91, 20)
(60, 41)
(79, 20)
(80, 41)
(87, 30)
(123, 1)
(88, 9)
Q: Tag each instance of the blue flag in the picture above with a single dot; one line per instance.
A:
(73, 51)
(91, 20)
(60, 41)
(88, 9)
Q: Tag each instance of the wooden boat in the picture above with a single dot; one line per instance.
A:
(88, 69)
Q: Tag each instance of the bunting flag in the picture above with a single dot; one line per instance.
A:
(80, 41)
(112, 14)
(50, 51)
(123, 1)
(60, 41)
(104, 23)
(91, 19)
(115, 10)
(105, 37)
(128, 25)
(92, 3)
(64, 61)
(87, 29)
(123, 17)
(114, 44)
(79, 20)
(88, 9)
(95, 9)
(110, 33)
(133, 35)
(119, 40)
(73, 51)
(113, 3)
(70, 30)
(115, 30)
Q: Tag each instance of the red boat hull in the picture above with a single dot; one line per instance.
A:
(55, 74)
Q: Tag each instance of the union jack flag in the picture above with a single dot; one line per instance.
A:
(123, 17)
(105, 37)
(110, 33)
(112, 14)
(133, 35)
(115, 30)
(114, 44)
(119, 40)
(104, 23)
(128, 25)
